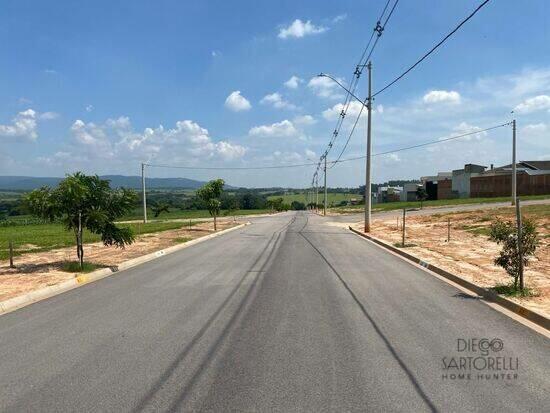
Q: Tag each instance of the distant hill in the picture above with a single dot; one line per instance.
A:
(28, 183)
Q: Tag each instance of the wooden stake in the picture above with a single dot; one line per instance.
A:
(11, 255)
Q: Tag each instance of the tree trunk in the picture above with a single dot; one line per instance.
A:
(215, 226)
(81, 250)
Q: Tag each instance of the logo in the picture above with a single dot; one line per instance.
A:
(480, 359)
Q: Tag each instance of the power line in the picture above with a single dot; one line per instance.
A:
(432, 49)
(378, 30)
(432, 142)
(405, 73)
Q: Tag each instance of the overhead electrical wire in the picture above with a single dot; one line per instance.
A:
(432, 49)
(407, 71)
(378, 30)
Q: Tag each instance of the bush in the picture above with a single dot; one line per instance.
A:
(505, 233)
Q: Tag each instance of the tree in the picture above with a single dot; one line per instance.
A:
(297, 206)
(210, 193)
(505, 233)
(232, 207)
(421, 194)
(160, 208)
(81, 201)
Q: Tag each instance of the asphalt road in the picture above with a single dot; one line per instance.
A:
(288, 314)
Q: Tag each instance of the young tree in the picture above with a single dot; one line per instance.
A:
(421, 194)
(81, 201)
(505, 233)
(210, 193)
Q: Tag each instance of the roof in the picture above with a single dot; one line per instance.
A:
(533, 165)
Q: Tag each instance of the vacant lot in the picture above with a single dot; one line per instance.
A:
(469, 253)
(40, 269)
(390, 206)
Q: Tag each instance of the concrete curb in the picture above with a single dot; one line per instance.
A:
(24, 300)
(489, 295)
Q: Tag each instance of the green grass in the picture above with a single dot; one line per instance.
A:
(400, 245)
(180, 214)
(44, 237)
(181, 240)
(74, 266)
(333, 198)
(509, 291)
(389, 206)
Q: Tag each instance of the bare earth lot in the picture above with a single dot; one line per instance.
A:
(37, 270)
(470, 254)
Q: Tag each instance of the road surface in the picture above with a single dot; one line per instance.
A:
(287, 314)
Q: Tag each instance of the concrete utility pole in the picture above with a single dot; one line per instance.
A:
(520, 243)
(143, 193)
(369, 149)
(514, 171)
(317, 193)
(325, 203)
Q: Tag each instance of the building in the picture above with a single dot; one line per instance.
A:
(461, 179)
(438, 186)
(533, 178)
(388, 193)
(409, 191)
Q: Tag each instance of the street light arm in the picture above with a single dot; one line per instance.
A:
(343, 87)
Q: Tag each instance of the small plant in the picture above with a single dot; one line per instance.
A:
(181, 240)
(505, 233)
(74, 266)
(421, 195)
(511, 291)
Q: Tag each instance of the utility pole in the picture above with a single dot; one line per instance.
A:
(369, 148)
(514, 172)
(325, 203)
(520, 244)
(143, 193)
(317, 193)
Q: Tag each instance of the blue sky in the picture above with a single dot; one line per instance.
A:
(102, 86)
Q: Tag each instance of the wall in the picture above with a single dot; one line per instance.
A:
(500, 185)
(444, 189)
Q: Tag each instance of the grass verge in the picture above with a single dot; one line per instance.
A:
(510, 291)
(74, 266)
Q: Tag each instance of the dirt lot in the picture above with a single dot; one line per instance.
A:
(41, 269)
(469, 253)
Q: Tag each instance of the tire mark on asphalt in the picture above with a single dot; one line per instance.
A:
(148, 398)
(389, 346)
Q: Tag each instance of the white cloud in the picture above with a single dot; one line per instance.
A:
(116, 139)
(50, 71)
(89, 108)
(215, 53)
(441, 96)
(299, 29)
(353, 111)
(339, 18)
(293, 82)
(325, 87)
(283, 129)
(48, 116)
(236, 102)
(304, 120)
(277, 101)
(23, 126)
(310, 154)
(541, 102)
(464, 128)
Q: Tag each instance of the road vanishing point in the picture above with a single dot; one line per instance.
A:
(288, 314)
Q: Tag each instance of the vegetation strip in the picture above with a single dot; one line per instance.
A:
(485, 293)
(32, 297)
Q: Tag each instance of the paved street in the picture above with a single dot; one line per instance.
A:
(286, 314)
